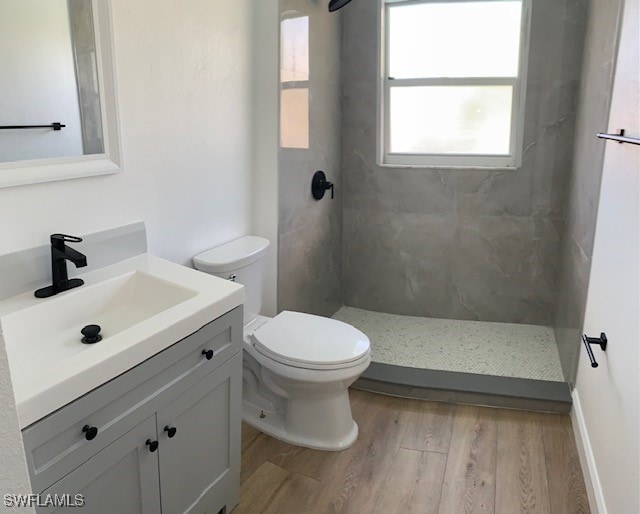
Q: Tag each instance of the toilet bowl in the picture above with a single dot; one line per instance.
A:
(297, 368)
(297, 372)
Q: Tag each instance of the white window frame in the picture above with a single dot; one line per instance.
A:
(510, 161)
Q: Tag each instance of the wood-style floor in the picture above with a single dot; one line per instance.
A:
(421, 457)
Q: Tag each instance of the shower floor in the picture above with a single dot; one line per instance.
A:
(487, 348)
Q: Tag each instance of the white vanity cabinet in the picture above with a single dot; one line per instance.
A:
(162, 437)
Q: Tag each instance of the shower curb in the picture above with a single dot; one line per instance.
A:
(468, 388)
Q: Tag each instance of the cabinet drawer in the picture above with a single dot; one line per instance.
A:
(56, 445)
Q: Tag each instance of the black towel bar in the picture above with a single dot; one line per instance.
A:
(56, 125)
(620, 138)
(600, 341)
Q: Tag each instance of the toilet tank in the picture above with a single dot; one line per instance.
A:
(242, 261)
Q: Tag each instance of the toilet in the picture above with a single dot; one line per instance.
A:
(297, 367)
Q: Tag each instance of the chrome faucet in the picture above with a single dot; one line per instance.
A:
(60, 254)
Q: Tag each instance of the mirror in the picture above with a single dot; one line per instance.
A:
(58, 115)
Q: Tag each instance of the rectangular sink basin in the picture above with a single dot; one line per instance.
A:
(116, 305)
(143, 305)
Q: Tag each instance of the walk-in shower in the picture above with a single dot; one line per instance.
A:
(452, 270)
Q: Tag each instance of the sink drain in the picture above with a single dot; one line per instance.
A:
(91, 334)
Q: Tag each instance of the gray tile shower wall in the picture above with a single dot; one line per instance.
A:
(602, 32)
(463, 244)
(310, 231)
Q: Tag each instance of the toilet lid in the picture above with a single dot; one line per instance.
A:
(307, 339)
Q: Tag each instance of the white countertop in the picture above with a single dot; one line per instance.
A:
(47, 374)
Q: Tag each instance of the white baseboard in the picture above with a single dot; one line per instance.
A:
(587, 460)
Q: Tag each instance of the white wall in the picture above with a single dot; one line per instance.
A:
(184, 77)
(184, 80)
(607, 398)
(38, 83)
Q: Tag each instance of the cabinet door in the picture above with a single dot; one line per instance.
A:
(121, 478)
(200, 461)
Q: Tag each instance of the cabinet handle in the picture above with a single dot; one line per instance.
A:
(171, 431)
(208, 354)
(90, 433)
(153, 445)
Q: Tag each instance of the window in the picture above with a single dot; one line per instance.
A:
(294, 81)
(453, 78)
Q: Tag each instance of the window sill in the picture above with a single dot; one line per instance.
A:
(449, 167)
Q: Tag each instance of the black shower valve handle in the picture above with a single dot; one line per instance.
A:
(329, 185)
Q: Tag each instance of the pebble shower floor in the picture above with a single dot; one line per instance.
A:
(487, 348)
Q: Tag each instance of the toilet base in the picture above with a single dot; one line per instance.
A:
(273, 423)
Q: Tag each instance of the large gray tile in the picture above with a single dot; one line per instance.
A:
(571, 304)
(359, 103)
(310, 231)
(399, 190)
(398, 262)
(593, 115)
(309, 275)
(584, 187)
(546, 39)
(502, 269)
(556, 41)
(575, 20)
(493, 193)
(554, 154)
(360, 40)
